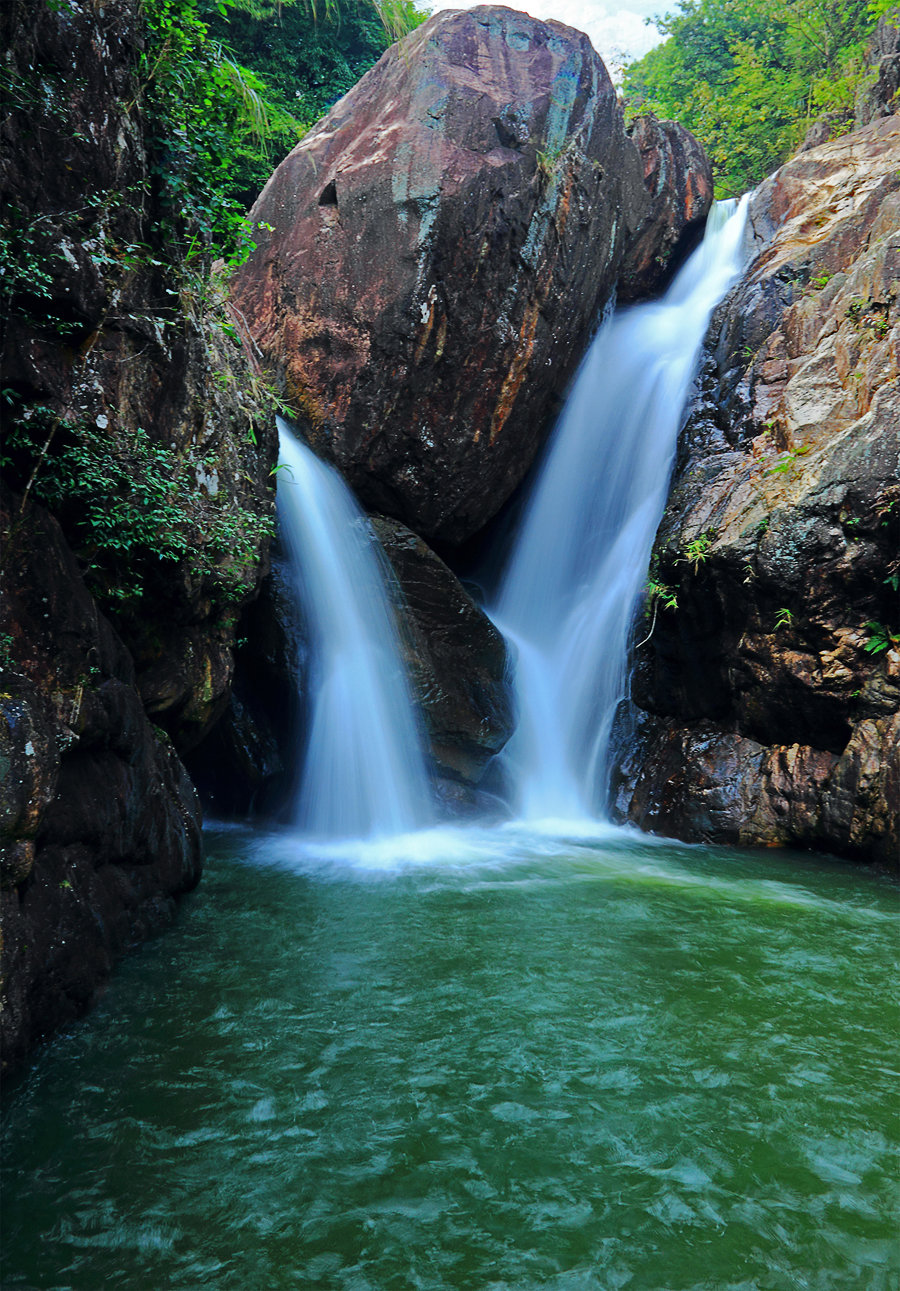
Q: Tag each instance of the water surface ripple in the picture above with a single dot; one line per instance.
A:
(487, 1060)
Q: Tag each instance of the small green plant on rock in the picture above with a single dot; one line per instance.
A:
(880, 638)
(661, 594)
(132, 508)
(547, 162)
(784, 618)
(658, 594)
(698, 549)
(787, 459)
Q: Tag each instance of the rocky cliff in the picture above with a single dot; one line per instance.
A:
(768, 701)
(130, 412)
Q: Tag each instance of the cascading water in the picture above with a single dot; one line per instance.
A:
(363, 769)
(568, 596)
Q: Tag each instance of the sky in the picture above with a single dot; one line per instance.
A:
(618, 32)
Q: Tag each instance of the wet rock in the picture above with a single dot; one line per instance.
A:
(99, 824)
(433, 256)
(768, 699)
(457, 659)
(248, 764)
(702, 784)
(678, 177)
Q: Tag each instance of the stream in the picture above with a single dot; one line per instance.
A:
(512, 1059)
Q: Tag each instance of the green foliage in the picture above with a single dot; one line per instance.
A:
(131, 507)
(661, 594)
(26, 262)
(199, 106)
(698, 549)
(302, 56)
(749, 76)
(783, 619)
(786, 460)
(548, 162)
(880, 638)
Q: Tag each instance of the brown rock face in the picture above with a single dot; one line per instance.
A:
(99, 824)
(678, 177)
(457, 659)
(770, 696)
(440, 245)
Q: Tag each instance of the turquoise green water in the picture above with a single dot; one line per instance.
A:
(508, 1062)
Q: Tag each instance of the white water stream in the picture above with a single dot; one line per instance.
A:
(580, 560)
(363, 770)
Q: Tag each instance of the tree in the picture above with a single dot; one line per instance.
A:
(749, 76)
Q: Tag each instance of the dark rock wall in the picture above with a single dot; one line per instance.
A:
(108, 334)
(99, 823)
(118, 358)
(768, 700)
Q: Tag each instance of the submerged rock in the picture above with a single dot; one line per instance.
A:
(457, 659)
(433, 256)
(770, 696)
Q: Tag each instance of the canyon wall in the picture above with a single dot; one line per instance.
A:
(131, 413)
(767, 700)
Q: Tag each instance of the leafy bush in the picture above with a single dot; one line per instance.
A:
(125, 502)
(301, 57)
(748, 77)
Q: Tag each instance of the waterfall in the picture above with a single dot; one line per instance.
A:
(580, 560)
(363, 769)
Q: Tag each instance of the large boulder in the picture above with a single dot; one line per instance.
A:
(769, 698)
(678, 177)
(99, 824)
(433, 256)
